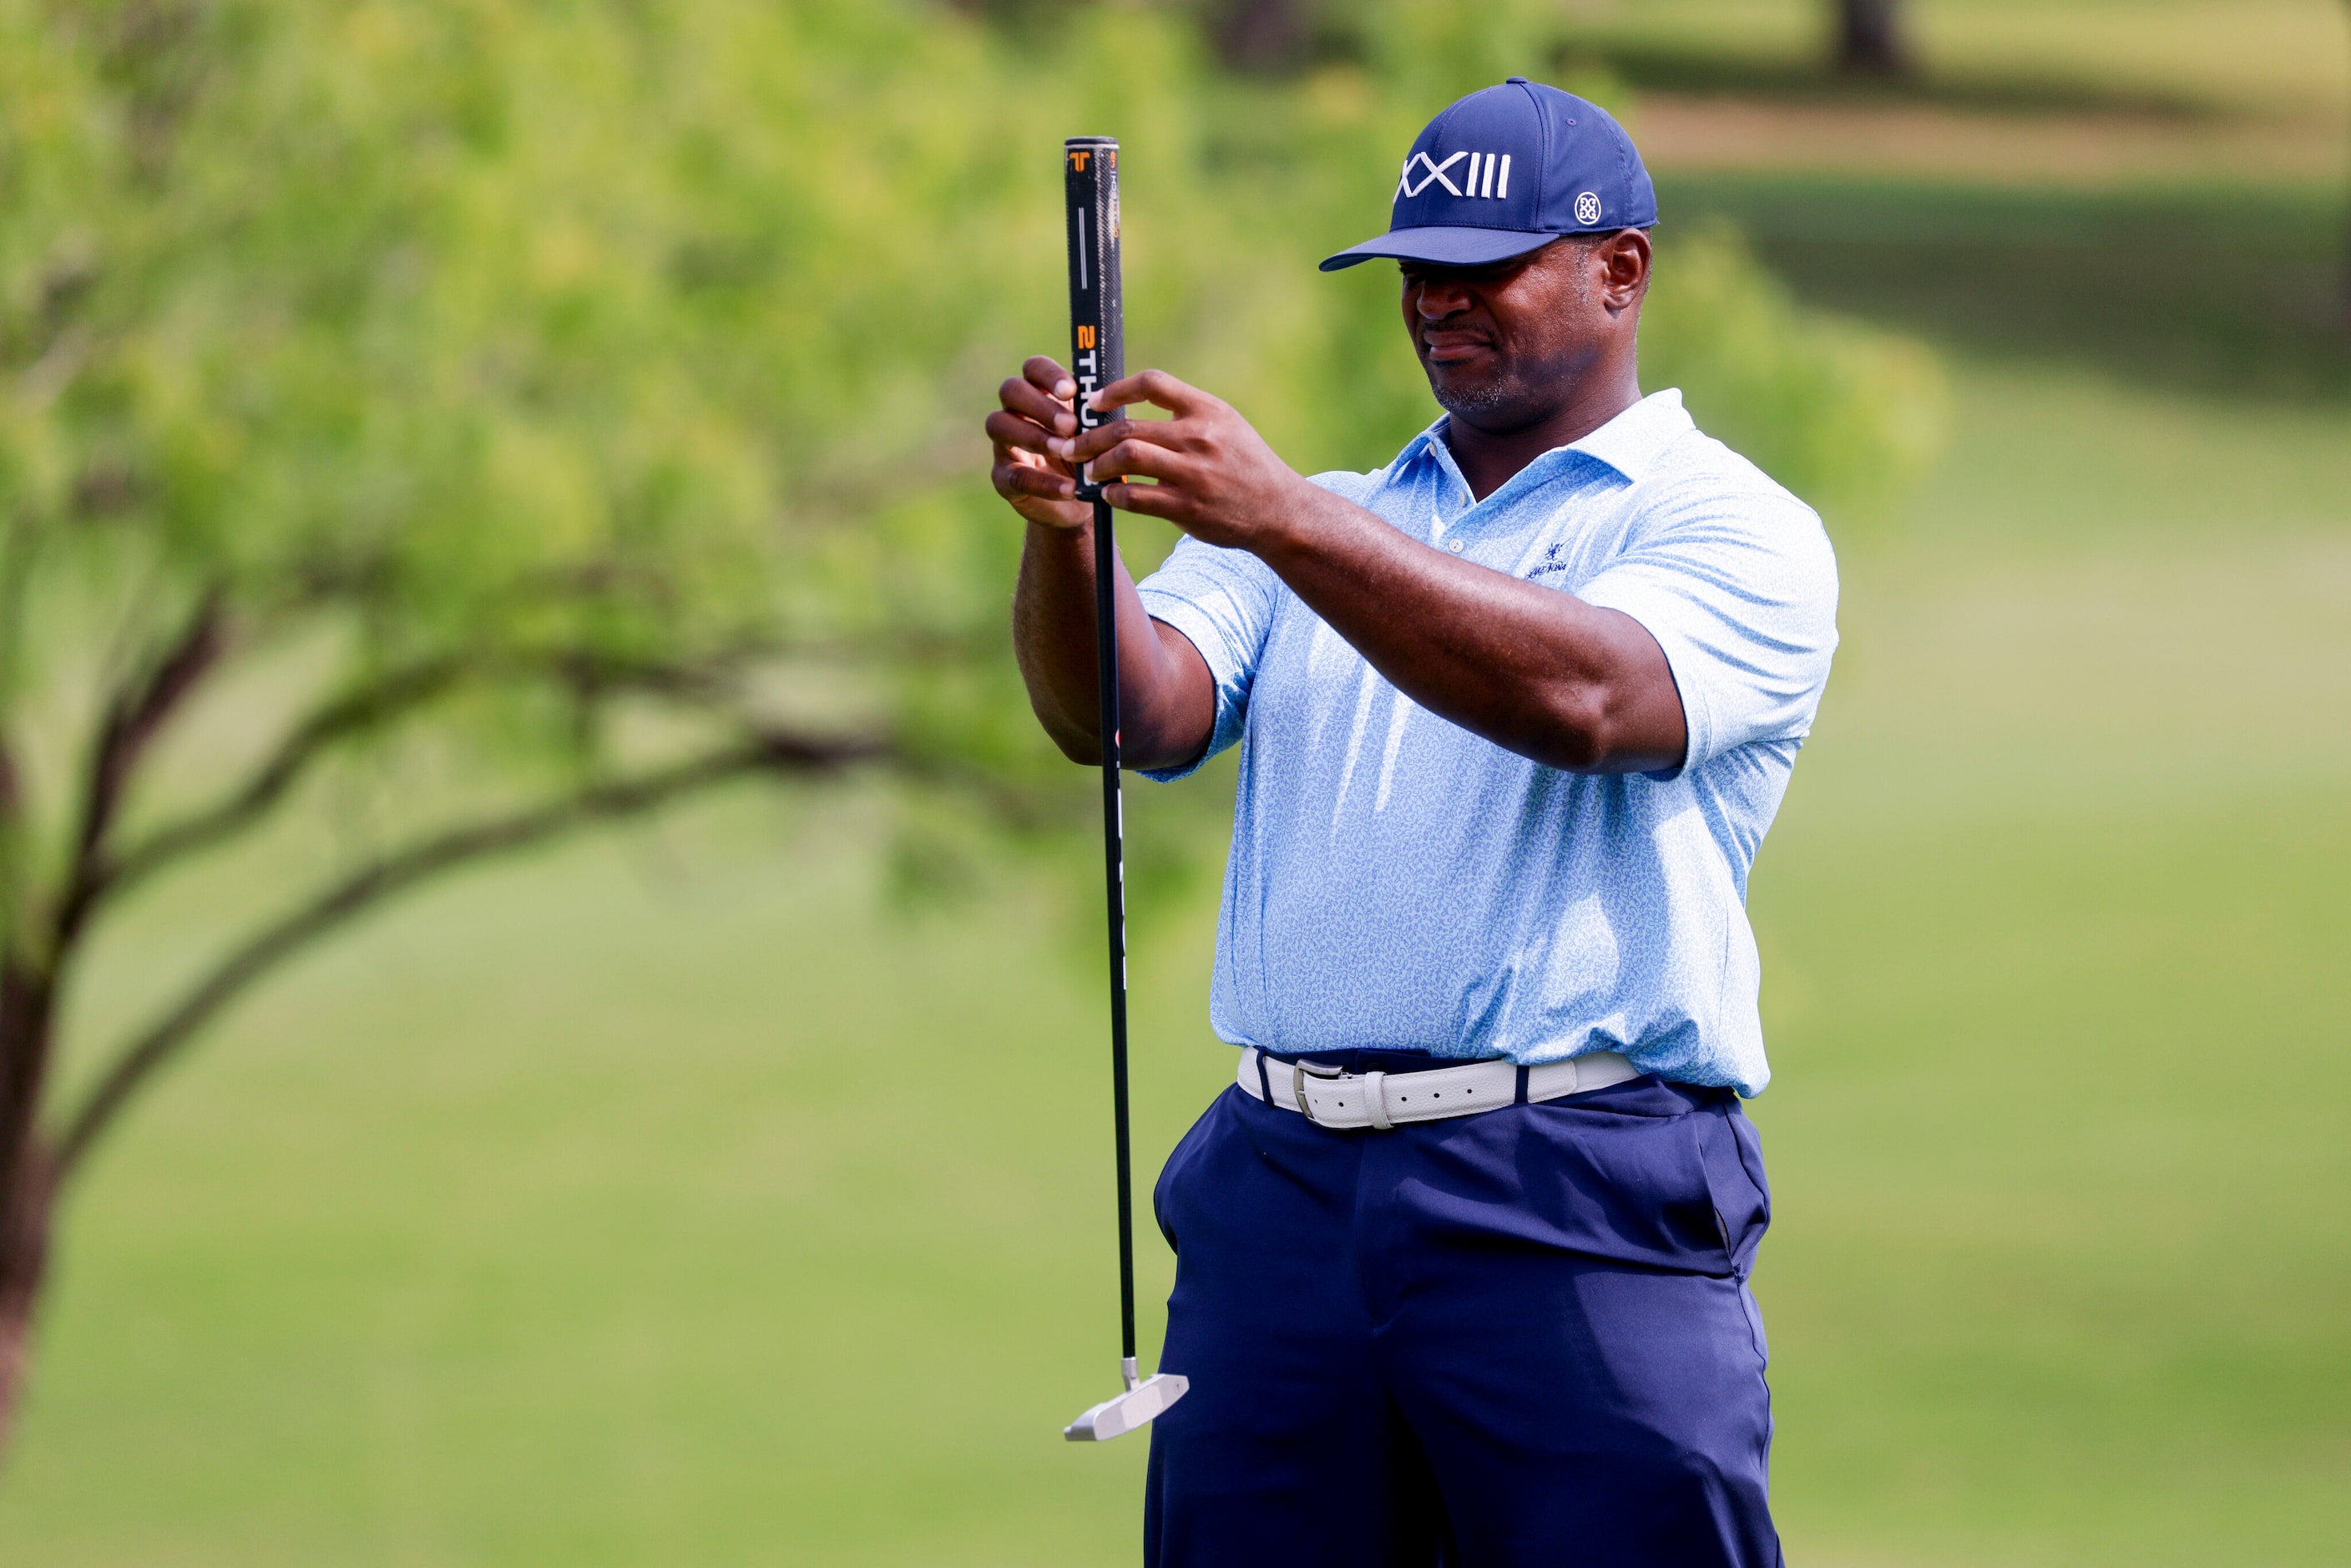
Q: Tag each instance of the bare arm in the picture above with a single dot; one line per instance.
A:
(1167, 700)
(1529, 668)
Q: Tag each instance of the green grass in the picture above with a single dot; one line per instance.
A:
(635, 1208)
(2053, 943)
(2261, 57)
(2137, 283)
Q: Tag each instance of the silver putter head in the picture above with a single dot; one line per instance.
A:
(1141, 1402)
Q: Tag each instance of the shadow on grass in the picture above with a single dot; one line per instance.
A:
(1796, 80)
(2227, 291)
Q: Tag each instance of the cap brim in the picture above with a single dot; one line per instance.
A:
(1444, 246)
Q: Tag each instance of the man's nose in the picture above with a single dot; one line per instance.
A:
(1437, 300)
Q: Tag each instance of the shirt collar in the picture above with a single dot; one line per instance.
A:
(1631, 443)
(1634, 441)
(1426, 442)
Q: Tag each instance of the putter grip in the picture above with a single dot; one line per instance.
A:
(1097, 335)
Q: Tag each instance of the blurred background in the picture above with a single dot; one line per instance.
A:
(517, 818)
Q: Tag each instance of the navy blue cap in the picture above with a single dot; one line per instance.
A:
(1506, 171)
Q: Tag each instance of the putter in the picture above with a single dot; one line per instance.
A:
(1090, 182)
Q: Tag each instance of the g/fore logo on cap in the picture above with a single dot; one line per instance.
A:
(1488, 177)
(1587, 208)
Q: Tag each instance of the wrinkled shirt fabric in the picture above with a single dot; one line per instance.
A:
(1397, 882)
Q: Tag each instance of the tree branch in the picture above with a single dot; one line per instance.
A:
(350, 714)
(405, 869)
(133, 719)
(368, 709)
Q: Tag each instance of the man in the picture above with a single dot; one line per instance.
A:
(1462, 1257)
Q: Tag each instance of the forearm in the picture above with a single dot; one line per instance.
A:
(1167, 699)
(1568, 683)
(1532, 669)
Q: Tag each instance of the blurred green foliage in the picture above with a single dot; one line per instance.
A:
(622, 355)
(629, 359)
(1847, 416)
(480, 327)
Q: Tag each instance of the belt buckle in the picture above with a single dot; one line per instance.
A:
(1300, 1069)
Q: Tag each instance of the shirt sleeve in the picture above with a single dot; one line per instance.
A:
(1223, 600)
(1739, 589)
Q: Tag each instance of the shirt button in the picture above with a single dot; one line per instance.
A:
(1454, 544)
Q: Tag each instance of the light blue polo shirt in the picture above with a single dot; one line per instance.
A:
(1396, 881)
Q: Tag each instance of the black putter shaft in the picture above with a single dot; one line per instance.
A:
(1098, 357)
(1098, 350)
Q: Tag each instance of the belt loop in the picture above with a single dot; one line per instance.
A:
(1375, 1099)
(1521, 1098)
(1264, 1079)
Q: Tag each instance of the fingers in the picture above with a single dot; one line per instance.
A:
(1007, 428)
(1035, 411)
(1038, 402)
(1046, 374)
(1156, 388)
(1014, 479)
(1147, 458)
(1150, 500)
(1019, 473)
(1176, 434)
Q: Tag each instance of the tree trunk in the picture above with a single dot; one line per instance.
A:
(27, 1192)
(1268, 36)
(1871, 38)
(27, 1012)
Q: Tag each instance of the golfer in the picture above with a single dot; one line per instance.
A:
(1462, 1257)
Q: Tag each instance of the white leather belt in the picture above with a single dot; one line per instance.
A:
(1331, 1098)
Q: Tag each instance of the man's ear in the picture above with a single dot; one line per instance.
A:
(1623, 260)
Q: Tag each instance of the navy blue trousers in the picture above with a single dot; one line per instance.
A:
(1515, 1338)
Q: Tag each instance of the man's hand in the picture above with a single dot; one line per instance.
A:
(1167, 699)
(1040, 486)
(1217, 479)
